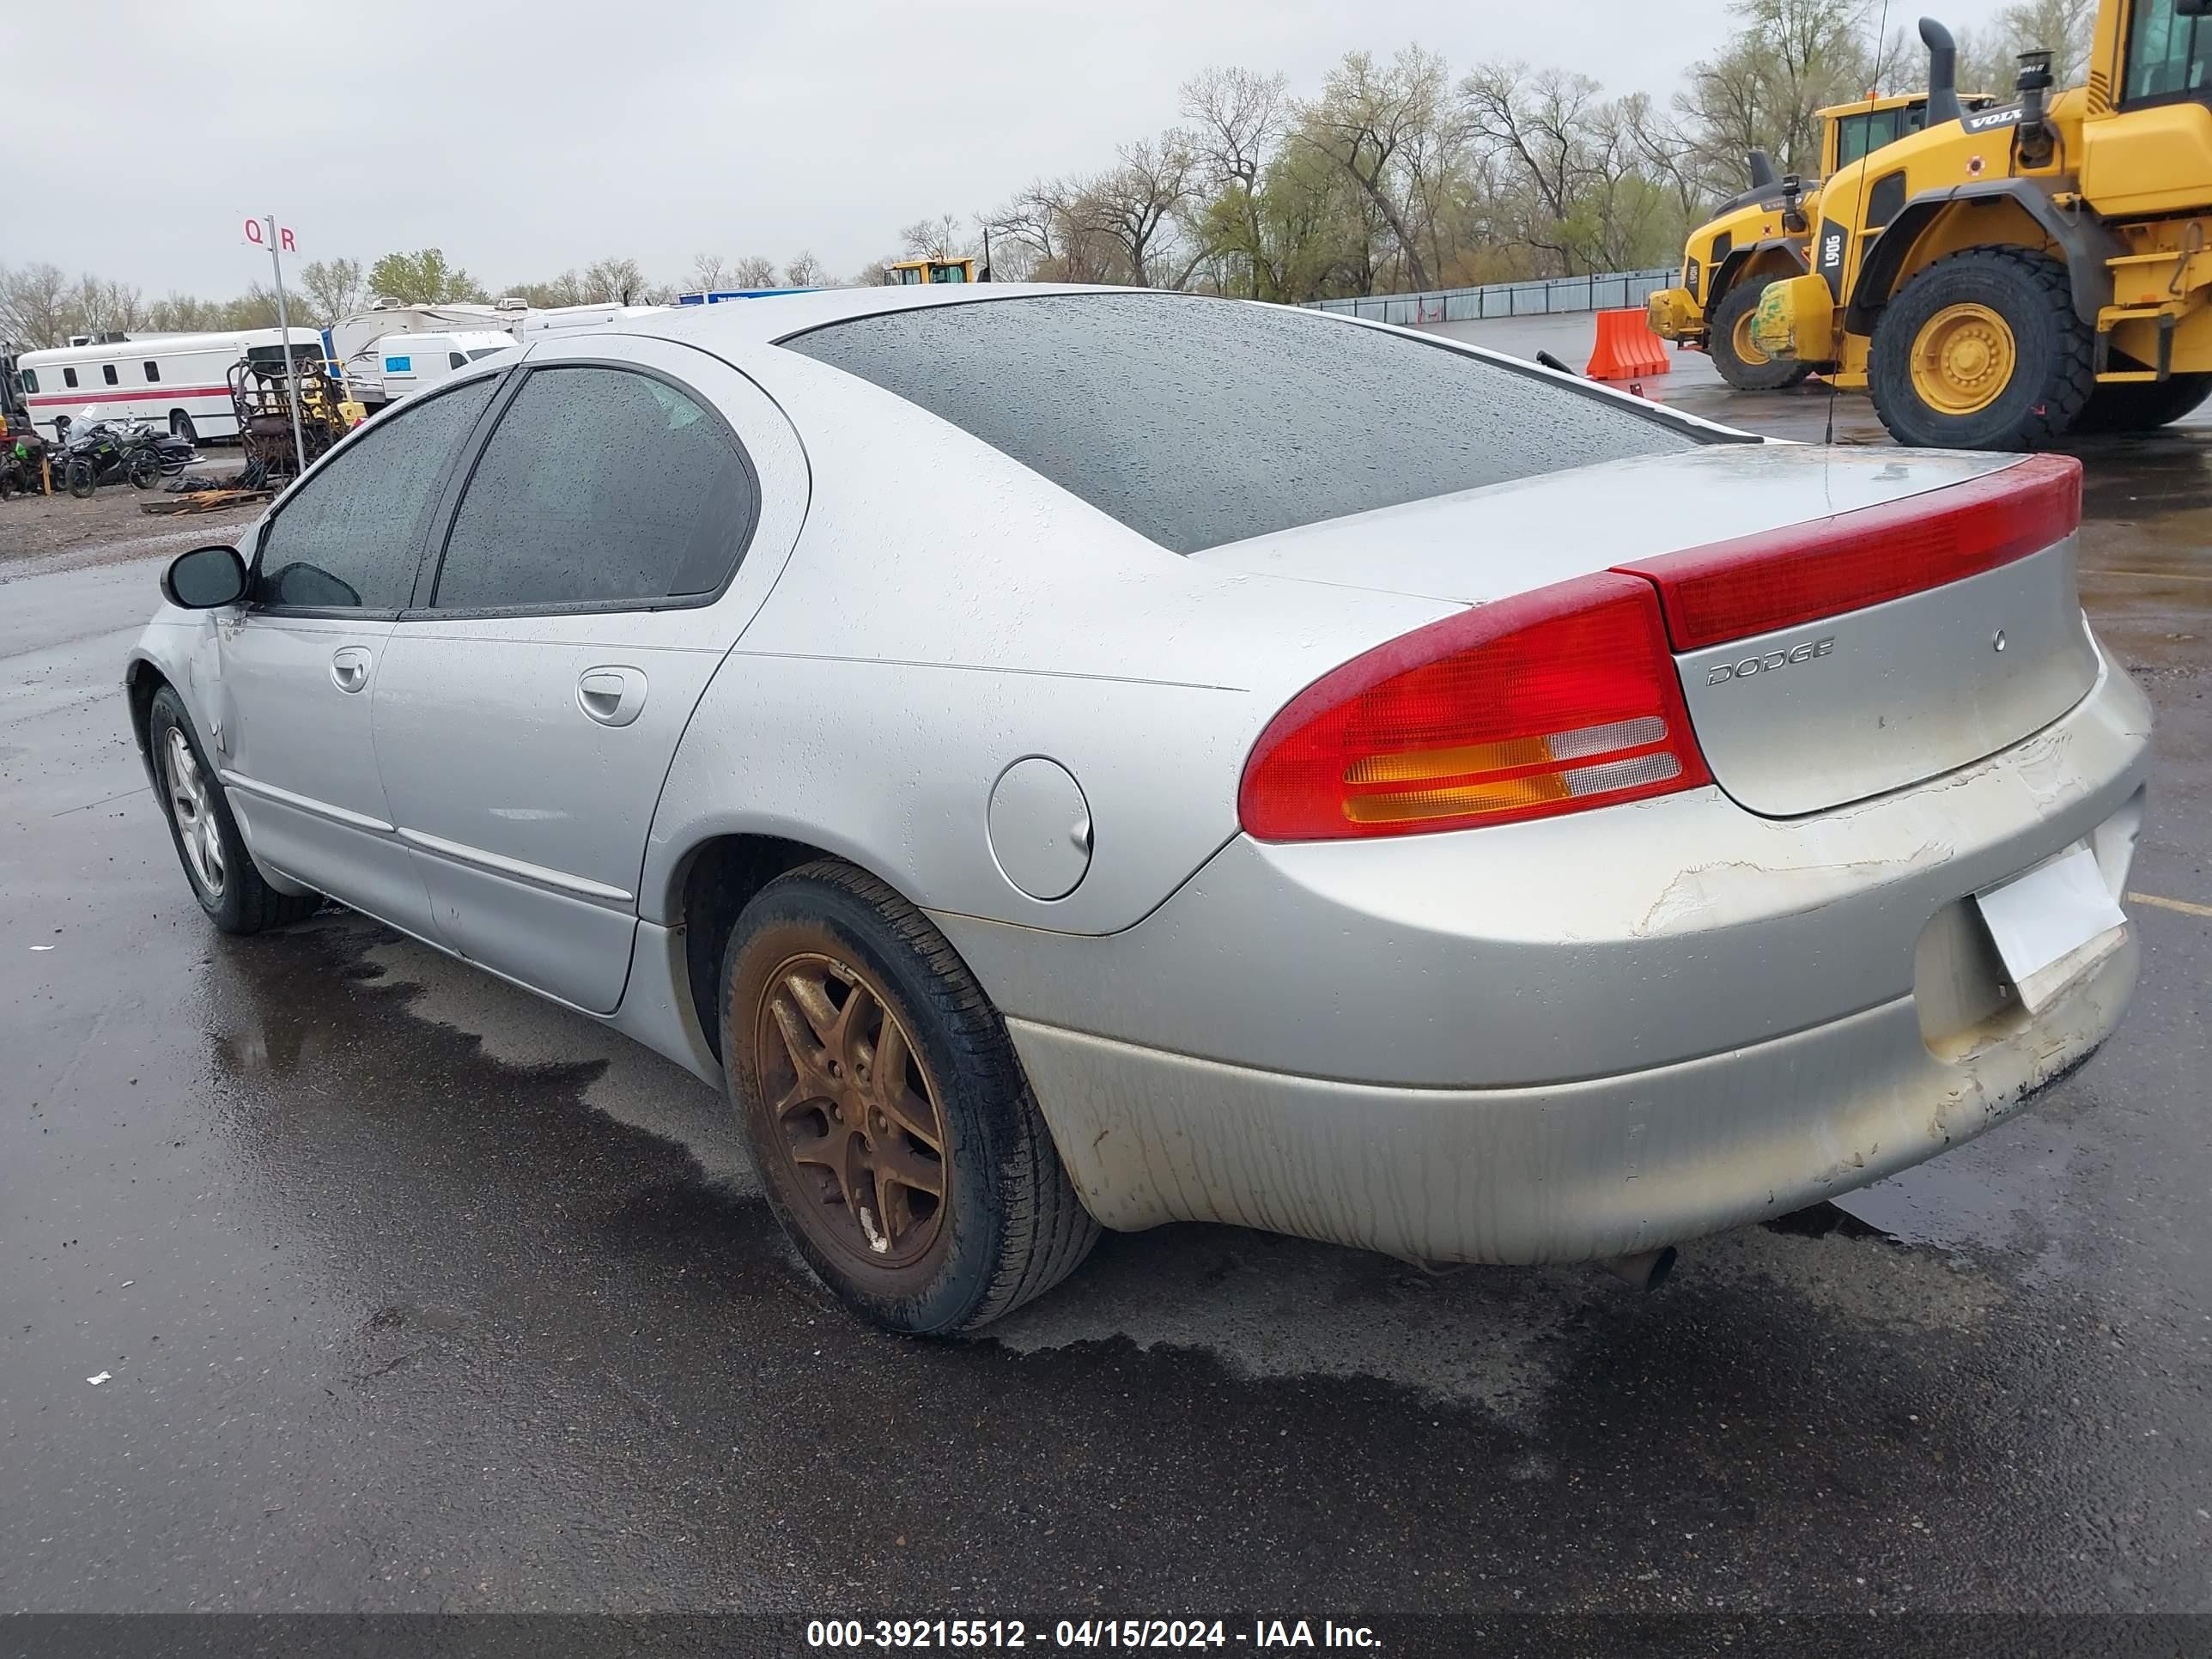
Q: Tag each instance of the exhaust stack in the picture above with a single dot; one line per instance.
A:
(1943, 73)
(2035, 136)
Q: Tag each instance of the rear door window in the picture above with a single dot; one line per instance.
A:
(351, 536)
(601, 486)
(1200, 422)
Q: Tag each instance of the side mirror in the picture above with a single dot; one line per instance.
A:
(204, 578)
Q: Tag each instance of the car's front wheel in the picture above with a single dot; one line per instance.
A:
(894, 1131)
(224, 878)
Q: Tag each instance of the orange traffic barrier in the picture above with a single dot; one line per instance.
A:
(1626, 348)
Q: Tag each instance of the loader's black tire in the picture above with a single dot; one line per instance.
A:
(1007, 1224)
(239, 901)
(2142, 405)
(1766, 374)
(2052, 373)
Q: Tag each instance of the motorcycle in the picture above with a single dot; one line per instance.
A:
(102, 450)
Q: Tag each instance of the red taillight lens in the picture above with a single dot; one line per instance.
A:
(1755, 584)
(1547, 702)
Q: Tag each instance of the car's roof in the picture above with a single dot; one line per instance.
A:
(774, 317)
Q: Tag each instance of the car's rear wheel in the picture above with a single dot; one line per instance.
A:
(894, 1131)
(225, 879)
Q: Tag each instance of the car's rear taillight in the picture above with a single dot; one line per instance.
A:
(1552, 701)
(1776, 578)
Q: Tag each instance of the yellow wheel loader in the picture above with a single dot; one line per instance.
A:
(1762, 236)
(905, 273)
(1999, 280)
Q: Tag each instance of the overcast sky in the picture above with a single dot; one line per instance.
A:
(527, 140)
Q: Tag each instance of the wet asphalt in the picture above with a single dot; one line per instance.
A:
(414, 1293)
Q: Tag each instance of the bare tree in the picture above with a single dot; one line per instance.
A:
(806, 272)
(613, 281)
(708, 273)
(1136, 202)
(941, 237)
(105, 307)
(1032, 228)
(1236, 124)
(184, 313)
(331, 288)
(754, 271)
(35, 305)
(1364, 120)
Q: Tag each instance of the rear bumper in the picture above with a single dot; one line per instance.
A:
(1578, 1171)
(1575, 1037)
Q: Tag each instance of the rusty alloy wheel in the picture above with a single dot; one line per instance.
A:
(855, 1109)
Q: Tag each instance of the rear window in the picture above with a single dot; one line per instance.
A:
(1201, 422)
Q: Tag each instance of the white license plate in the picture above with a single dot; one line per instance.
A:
(2053, 925)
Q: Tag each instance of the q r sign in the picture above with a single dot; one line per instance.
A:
(257, 234)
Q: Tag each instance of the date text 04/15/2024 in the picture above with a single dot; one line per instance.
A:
(1085, 1634)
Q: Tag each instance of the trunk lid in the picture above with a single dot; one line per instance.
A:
(1794, 718)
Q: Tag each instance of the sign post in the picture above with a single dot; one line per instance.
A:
(282, 236)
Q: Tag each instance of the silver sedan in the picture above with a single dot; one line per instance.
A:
(1070, 758)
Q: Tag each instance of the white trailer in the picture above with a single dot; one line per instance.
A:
(355, 340)
(178, 380)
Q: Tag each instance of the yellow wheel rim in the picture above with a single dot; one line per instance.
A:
(1747, 349)
(1963, 359)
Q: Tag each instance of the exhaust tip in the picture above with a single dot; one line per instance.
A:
(1646, 1271)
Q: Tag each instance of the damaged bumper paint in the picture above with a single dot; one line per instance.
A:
(1581, 1044)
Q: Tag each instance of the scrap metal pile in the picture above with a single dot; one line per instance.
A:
(262, 394)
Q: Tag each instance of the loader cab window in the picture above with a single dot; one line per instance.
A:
(1859, 136)
(2166, 54)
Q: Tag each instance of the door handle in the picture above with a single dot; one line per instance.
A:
(349, 668)
(611, 696)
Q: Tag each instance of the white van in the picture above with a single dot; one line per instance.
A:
(399, 365)
(178, 380)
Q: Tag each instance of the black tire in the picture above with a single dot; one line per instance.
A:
(1767, 375)
(79, 480)
(241, 901)
(145, 470)
(180, 426)
(1009, 1226)
(2052, 374)
(2142, 405)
